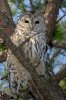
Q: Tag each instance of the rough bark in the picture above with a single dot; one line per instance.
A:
(8, 26)
(51, 13)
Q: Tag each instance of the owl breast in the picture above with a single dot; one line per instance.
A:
(35, 48)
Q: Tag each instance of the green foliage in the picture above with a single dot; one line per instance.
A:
(63, 84)
(2, 47)
(14, 11)
(17, 6)
(63, 3)
(13, 1)
(4, 81)
(20, 5)
(37, 5)
(58, 33)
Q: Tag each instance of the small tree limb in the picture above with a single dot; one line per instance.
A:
(58, 44)
(60, 75)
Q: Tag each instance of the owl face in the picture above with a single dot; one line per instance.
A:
(32, 23)
(39, 24)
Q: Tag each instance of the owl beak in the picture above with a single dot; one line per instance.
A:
(31, 27)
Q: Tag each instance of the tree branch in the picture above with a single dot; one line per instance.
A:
(31, 3)
(61, 18)
(51, 13)
(4, 77)
(58, 44)
(61, 75)
(9, 26)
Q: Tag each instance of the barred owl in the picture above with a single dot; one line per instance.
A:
(33, 26)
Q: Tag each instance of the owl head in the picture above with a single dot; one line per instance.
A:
(32, 22)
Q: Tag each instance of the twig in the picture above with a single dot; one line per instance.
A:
(4, 77)
(58, 44)
(60, 18)
(31, 3)
(62, 74)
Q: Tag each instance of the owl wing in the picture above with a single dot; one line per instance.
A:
(14, 80)
(18, 76)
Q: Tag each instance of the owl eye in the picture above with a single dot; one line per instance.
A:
(37, 22)
(26, 21)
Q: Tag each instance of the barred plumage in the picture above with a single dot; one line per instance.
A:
(33, 26)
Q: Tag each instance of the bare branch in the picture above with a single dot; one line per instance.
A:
(4, 77)
(60, 18)
(58, 44)
(51, 13)
(61, 75)
(9, 26)
(31, 3)
(54, 56)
